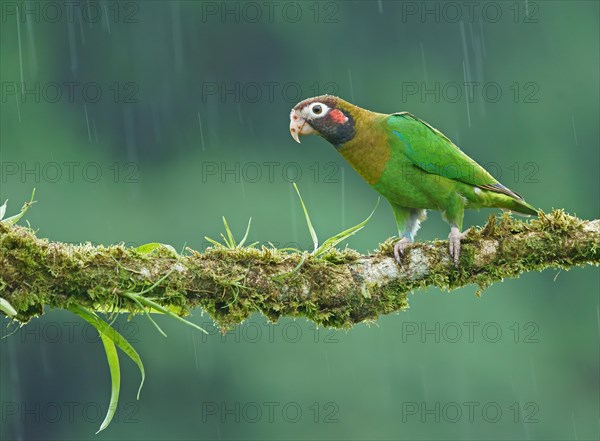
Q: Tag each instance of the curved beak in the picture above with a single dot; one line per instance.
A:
(299, 126)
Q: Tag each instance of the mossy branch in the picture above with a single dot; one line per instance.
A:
(337, 289)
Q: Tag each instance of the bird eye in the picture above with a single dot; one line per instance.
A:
(318, 109)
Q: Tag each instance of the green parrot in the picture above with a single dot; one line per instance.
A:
(410, 163)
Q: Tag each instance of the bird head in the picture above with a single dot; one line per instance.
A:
(327, 116)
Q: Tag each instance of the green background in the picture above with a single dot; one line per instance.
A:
(192, 124)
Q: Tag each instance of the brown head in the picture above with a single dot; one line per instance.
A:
(327, 116)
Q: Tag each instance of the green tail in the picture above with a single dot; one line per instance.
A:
(520, 206)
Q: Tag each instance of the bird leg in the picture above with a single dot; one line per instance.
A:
(408, 221)
(454, 239)
(400, 246)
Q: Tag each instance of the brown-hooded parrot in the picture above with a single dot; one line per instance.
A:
(410, 163)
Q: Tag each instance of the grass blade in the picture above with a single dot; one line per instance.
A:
(313, 234)
(14, 219)
(214, 242)
(227, 243)
(148, 315)
(228, 238)
(151, 304)
(231, 242)
(333, 241)
(158, 282)
(143, 302)
(243, 241)
(280, 277)
(7, 308)
(115, 380)
(3, 209)
(103, 328)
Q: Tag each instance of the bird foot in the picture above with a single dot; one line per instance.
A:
(454, 239)
(400, 246)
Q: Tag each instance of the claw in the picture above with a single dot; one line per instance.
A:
(454, 239)
(400, 246)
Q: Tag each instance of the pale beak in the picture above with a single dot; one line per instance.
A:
(298, 126)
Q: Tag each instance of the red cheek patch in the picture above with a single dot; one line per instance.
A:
(338, 117)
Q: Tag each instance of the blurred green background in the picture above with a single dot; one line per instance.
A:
(147, 121)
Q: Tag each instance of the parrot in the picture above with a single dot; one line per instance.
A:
(410, 163)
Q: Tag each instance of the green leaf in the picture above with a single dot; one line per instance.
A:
(7, 308)
(230, 241)
(115, 380)
(243, 241)
(14, 219)
(214, 242)
(150, 247)
(228, 238)
(3, 210)
(142, 301)
(313, 234)
(227, 242)
(280, 277)
(148, 315)
(333, 241)
(151, 304)
(103, 328)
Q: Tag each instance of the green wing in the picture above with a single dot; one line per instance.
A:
(433, 152)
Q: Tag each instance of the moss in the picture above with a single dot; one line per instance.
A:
(231, 284)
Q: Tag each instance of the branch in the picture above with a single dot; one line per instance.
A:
(338, 289)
